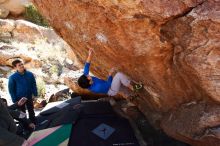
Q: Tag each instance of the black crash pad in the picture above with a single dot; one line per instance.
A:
(102, 131)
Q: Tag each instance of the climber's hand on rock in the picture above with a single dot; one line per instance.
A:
(112, 71)
(91, 51)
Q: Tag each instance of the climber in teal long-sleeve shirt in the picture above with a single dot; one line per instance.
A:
(111, 86)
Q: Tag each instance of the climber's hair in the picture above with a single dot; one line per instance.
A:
(15, 62)
(84, 82)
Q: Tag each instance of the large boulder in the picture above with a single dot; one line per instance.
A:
(34, 44)
(4, 12)
(170, 46)
(18, 31)
(14, 7)
(24, 31)
(6, 27)
(196, 123)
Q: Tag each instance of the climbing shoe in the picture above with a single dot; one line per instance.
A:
(137, 87)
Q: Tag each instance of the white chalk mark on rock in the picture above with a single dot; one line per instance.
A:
(101, 37)
(69, 25)
(85, 37)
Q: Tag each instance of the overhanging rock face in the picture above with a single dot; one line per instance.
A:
(170, 46)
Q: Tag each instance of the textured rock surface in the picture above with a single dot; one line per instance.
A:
(171, 46)
(14, 32)
(14, 7)
(196, 123)
(4, 12)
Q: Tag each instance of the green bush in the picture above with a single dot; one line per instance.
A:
(32, 14)
(41, 87)
(54, 70)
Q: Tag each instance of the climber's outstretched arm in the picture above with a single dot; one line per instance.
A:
(88, 61)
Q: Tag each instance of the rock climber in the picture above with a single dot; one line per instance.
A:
(111, 86)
